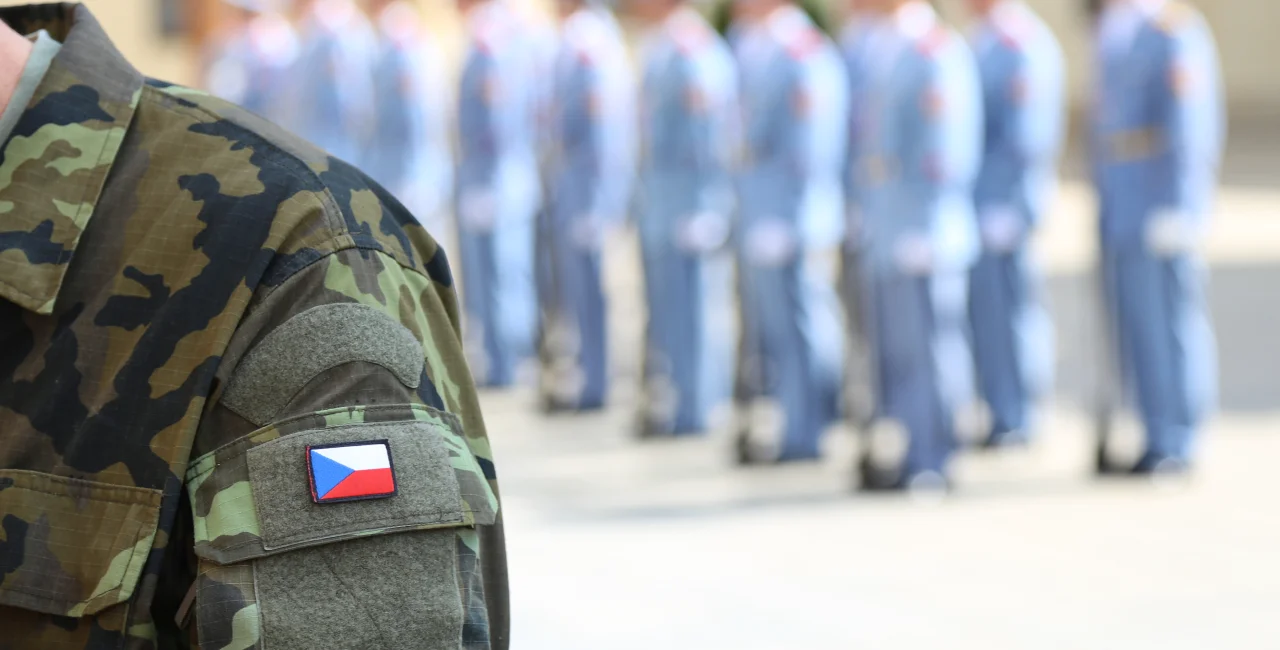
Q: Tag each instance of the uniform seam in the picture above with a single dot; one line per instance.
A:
(350, 243)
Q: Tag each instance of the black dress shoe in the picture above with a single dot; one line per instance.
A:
(1159, 465)
(786, 458)
(744, 452)
(922, 482)
(879, 479)
(1006, 439)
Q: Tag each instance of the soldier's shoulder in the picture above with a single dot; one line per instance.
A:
(937, 41)
(1018, 28)
(317, 203)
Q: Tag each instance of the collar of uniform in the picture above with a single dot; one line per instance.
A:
(683, 21)
(1006, 15)
(54, 165)
(914, 19)
(1121, 22)
(787, 22)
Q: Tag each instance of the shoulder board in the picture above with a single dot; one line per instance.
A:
(931, 44)
(1013, 29)
(1175, 16)
(485, 36)
(805, 44)
(690, 38)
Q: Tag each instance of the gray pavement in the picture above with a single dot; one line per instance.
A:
(620, 545)
(625, 546)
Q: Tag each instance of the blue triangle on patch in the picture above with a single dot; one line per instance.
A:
(326, 473)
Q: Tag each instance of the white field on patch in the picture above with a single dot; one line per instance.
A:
(359, 457)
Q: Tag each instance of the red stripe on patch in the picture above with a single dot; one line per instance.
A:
(364, 483)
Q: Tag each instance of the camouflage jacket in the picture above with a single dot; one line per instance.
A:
(191, 303)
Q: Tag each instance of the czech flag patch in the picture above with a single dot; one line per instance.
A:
(351, 471)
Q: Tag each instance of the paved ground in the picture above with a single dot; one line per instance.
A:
(620, 546)
(617, 545)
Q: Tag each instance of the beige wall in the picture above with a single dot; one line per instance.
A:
(1248, 33)
(1246, 30)
(134, 25)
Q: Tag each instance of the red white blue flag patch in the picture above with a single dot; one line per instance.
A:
(350, 471)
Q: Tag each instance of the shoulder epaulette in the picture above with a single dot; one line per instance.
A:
(690, 39)
(804, 44)
(931, 44)
(1013, 29)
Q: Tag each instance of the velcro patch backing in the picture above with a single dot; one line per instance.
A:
(312, 342)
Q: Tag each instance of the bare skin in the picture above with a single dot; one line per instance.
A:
(14, 52)
(653, 12)
(757, 10)
(566, 8)
(982, 8)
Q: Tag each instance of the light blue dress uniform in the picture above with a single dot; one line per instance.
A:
(252, 66)
(591, 176)
(409, 153)
(330, 97)
(855, 45)
(918, 167)
(685, 203)
(791, 212)
(498, 195)
(1023, 88)
(1157, 139)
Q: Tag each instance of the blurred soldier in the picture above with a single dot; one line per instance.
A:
(855, 45)
(251, 65)
(330, 98)
(591, 176)
(409, 154)
(1158, 132)
(795, 104)
(234, 407)
(918, 167)
(1023, 78)
(685, 204)
(498, 190)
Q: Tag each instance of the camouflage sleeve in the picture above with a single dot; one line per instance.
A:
(342, 490)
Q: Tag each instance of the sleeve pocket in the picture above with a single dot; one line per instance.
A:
(281, 571)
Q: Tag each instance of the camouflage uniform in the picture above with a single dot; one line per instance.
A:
(189, 298)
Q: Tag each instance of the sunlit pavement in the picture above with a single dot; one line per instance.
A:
(616, 544)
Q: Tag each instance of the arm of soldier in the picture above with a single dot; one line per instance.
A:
(613, 123)
(706, 228)
(354, 61)
(1039, 95)
(481, 97)
(342, 487)
(433, 164)
(942, 171)
(1193, 124)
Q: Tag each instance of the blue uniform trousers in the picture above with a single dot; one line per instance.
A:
(922, 359)
(499, 297)
(1012, 338)
(785, 310)
(1165, 343)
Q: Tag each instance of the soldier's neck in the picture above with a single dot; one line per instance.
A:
(14, 52)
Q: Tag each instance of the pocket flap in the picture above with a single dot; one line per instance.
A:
(256, 497)
(70, 547)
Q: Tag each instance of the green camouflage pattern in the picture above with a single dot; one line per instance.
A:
(150, 236)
